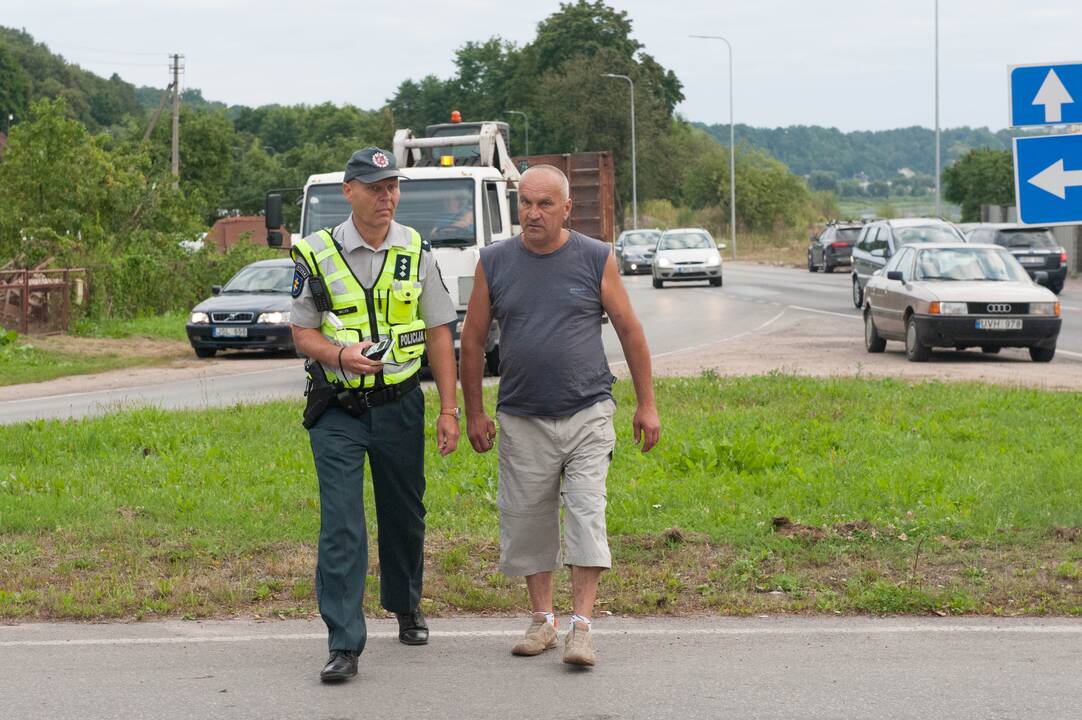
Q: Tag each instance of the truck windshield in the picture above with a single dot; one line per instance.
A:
(442, 211)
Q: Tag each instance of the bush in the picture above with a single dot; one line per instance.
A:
(152, 278)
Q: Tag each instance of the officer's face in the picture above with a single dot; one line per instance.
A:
(373, 203)
(542, 207)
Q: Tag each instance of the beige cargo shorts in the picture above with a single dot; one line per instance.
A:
(545, 463)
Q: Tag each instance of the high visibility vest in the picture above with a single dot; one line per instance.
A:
(389, 309)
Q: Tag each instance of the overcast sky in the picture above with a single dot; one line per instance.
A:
(851, 64)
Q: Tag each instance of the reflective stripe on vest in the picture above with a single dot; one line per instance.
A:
(393, 302)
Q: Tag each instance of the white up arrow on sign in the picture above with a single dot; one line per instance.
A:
(1054, 179)
(1053, 96)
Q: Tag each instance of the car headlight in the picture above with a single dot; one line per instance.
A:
(949, 308)
(1045, 308)
(273, 318)
(713, 261)
(198, 318)
(664, 262)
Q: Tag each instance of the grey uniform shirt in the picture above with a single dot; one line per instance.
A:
(366, 263)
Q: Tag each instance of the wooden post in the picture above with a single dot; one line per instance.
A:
(26, 302)
(67, 299)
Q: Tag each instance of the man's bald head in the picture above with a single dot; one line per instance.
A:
(548, 173)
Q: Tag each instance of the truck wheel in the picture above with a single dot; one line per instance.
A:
(205, 352)
(492, 361)
(858, 294)
(1040, 354)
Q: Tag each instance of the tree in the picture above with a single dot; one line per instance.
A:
(64, 189)
(14, 88)
(980, 177)
(823, 180)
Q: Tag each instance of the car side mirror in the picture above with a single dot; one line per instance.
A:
(215, 289)
(272, 215)
(895, 275)
(722, 246)
(1040, 276)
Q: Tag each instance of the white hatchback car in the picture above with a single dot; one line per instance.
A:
(686, 254)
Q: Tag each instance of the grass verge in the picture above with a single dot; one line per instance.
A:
(22, 362)
(168, 326)
(767, 494)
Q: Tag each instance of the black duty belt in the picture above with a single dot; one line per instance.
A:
(357, 402)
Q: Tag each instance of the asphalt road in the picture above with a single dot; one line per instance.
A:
(688, 668)
(678, 318)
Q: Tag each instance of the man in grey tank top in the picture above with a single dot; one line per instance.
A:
(547, 289)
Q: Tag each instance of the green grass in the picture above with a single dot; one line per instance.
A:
(21, 362)
(901, 206)
(168, 326)
(896, 498)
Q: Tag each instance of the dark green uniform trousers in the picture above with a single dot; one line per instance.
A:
(392, 435)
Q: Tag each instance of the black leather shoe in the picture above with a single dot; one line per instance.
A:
(412, 628)
(341, 667)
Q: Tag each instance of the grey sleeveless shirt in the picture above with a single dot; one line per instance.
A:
(552, 362)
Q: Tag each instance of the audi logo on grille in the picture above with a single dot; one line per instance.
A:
(999, 308)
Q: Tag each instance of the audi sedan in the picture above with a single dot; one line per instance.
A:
(959, 296)
(251, 312)
(686, 254)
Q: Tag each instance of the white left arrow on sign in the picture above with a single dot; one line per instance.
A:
(1054, 179)
(1053, 95)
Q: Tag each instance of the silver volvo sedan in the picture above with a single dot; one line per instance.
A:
(959, 296)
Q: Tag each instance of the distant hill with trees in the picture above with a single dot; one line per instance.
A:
(878, 154)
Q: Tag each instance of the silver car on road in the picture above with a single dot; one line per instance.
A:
(959, 295)
(684, 254)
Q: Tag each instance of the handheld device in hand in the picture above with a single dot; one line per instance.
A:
(376, 352)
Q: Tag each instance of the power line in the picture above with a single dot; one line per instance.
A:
(114, 62)
(108, 51)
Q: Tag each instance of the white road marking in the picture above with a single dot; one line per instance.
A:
(36, 398)
(1068, 353)
(700, 346)
(825, 312)
(1069, 307)
(1068, 629)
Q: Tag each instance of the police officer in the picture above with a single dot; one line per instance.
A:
(366, 280)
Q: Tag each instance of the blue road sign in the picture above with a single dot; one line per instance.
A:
(1048, 179)
(1045, 94)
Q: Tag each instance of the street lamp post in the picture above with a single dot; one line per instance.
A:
(527, 119)
(938, 205)
(634, 178)
(732, 143)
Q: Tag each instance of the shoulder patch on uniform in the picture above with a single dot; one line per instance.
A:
(402, 267)
(426, 245)
(300, 274)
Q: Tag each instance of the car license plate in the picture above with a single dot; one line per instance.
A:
(1031, 260)
(687, 269)
(999, 324)
(237, 332)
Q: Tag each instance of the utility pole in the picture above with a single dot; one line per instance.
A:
(634, 178)
(158, 113)
(938, 163)
(176, 67)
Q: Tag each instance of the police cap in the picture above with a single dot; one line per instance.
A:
(371, 165)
